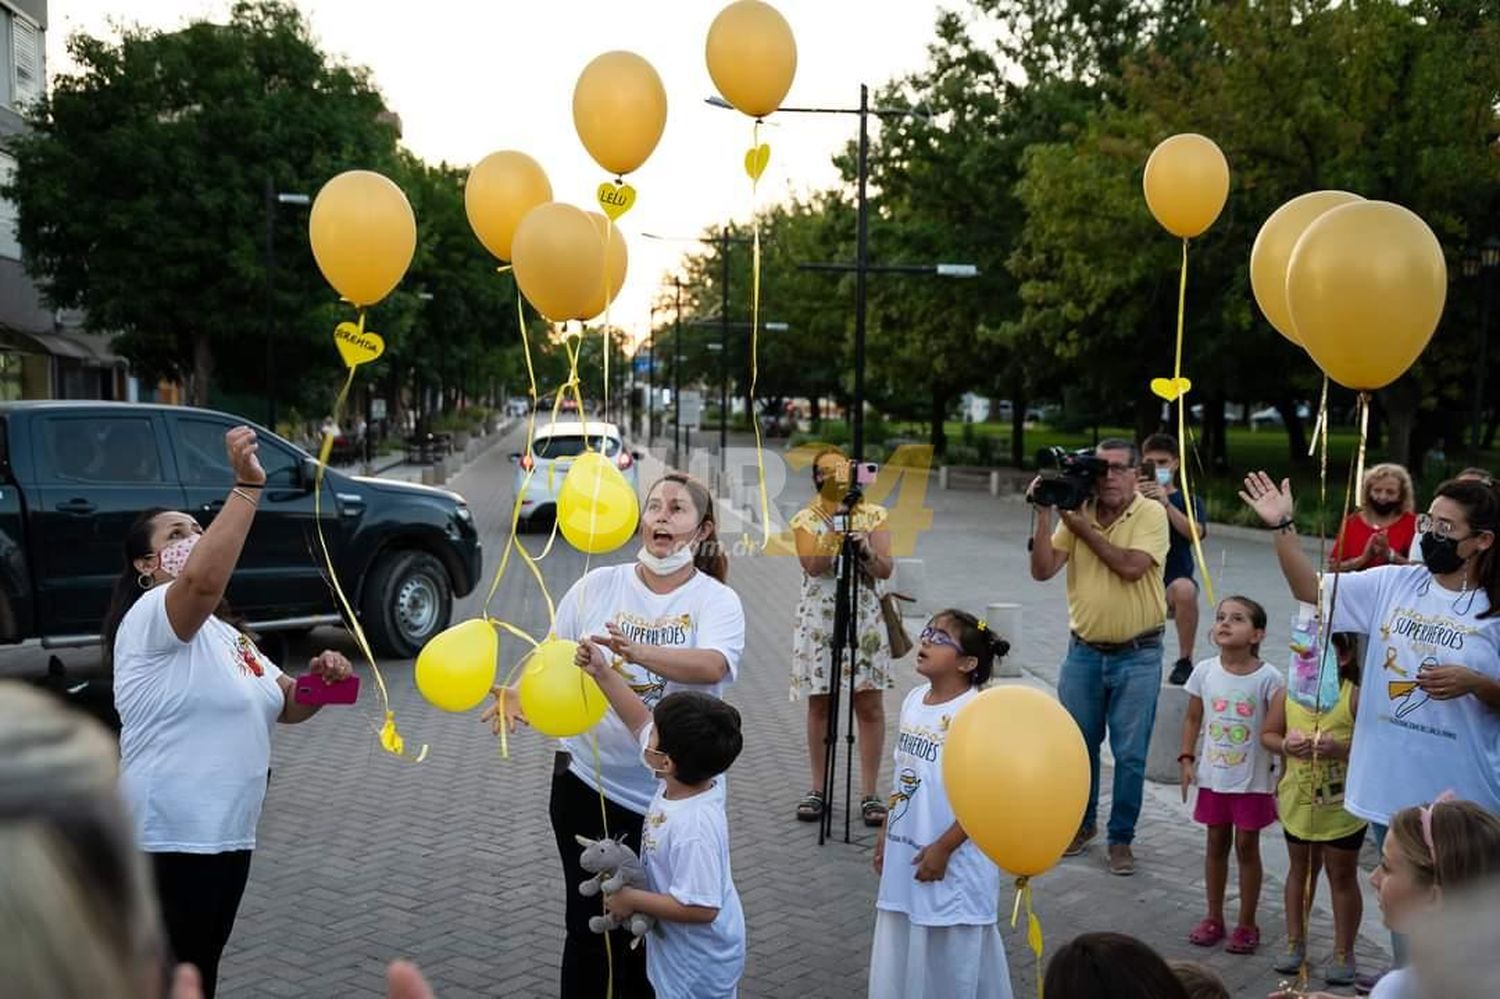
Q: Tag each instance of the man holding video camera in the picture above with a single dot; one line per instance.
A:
(1113, 542)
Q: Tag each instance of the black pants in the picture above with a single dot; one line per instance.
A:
(200, 894)
(585, 964)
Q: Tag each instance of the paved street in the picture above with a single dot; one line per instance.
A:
(363, 857)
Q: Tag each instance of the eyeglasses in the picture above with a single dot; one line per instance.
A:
(1427, 524)
(1115, 469)
(936, 636)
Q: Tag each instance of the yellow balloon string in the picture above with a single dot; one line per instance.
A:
(760, 458)
(1033, 926)
(390, 738)
(1364, 429)
(1182, 462)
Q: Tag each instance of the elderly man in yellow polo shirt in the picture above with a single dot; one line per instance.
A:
(1113, 547)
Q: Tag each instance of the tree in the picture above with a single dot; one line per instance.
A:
(142, 191)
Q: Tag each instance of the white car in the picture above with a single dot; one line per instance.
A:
(551, 454)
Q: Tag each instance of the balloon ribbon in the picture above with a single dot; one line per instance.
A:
(760, 458)
(1033, 926)
(1182, 462)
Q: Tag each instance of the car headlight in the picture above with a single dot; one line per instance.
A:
(464, 514)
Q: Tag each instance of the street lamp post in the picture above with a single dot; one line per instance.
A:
(273, 198)
(1482, 263)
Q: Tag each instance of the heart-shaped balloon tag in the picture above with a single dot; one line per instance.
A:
(1170, 388)
(615, 199)
(357, 346)
(756, 160)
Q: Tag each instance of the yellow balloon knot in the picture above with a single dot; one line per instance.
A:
(391, 741)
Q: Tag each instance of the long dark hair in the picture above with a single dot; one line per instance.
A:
(976, 639)
(1110, 966)
(1481, 503)
(128, 587)
(708, 556)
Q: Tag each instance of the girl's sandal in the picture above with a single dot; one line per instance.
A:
(810, 808)
(1244, 940)
(1207, 933)
(872, 810)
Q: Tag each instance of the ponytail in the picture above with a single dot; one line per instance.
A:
(709, 556)
(128, 589)
(1481, 502)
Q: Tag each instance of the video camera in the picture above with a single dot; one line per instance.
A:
(1068, 477)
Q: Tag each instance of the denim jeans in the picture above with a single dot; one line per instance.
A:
(1117, 690)
(1398, 940)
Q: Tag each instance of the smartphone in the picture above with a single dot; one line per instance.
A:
(312, 690)
(865, 473)
(1148, 470)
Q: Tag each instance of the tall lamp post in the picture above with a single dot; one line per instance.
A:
(274, 198)
(1482, 262)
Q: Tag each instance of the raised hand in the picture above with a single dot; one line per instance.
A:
(240, 443)
(1273, 503)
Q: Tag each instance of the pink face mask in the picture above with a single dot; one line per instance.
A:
(173, 557)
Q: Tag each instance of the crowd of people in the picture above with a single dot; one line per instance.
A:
(143, 856)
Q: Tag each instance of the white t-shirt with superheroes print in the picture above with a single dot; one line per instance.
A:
(702, 613)
(969, 893)
(1231, 759)
(1409, 748)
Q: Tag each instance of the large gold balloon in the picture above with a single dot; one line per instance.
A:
(1273, 250)
(1017, 775)
(559, 261)
(501, 189)
(619, 110)
(1365, 286)
(557, 697)
(597, 510)
(363, 235)
(752, 56)
(456, 668)
(616, 262)
(1186, 183)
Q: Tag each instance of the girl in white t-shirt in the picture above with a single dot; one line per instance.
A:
(1236, 791)
(936, 925)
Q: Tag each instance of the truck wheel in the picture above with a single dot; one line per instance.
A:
(407, 601)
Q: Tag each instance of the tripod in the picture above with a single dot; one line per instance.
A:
(845, 639)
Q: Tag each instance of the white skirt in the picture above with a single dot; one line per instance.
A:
(936, 962)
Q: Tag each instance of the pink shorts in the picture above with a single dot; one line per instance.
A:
(1249, 810)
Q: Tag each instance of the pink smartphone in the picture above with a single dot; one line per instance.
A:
(313, 691)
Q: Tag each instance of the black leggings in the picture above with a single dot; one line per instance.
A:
(200, 894)
(585, 964)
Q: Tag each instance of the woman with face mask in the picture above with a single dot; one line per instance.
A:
(1429, 702)
(667, 622)
(1383, 529)
(197, 702)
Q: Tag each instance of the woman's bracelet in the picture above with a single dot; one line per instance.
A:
(237, 491)
(1186, 756)
(1288, 523)
(250, 485)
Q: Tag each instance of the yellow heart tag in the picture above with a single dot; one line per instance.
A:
(1170, 388)
(615, 199)
(357, 346)
(756, 160)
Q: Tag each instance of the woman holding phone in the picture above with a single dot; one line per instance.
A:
(197, 702)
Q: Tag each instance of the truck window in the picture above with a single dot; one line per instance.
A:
(100, 449)
(202, 461)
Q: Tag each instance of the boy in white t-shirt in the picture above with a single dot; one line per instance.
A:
(697, 949)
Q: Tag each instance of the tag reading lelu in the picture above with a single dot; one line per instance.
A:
(615, 199)
(357, 346)
(1170, 388)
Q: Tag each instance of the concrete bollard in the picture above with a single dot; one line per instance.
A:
(428, 478)
(1166, 735)
(1005, 619)
(994, 483)
(910, 579)
(942, 476)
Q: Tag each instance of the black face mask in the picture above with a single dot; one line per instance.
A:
(1440, 555)
(1383, 508)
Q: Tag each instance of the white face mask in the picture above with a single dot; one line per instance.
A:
(665, 565)
(645, 756)
(1163, 476)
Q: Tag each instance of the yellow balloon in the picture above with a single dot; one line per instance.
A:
(456, 668)
(1186, 183)
(559, 699)
(616, 262)
(1273, 250)
(501, 189)
(619, 110)
(597, 510)
(363, 235)
(752, 56)
(559, 261)
(1017, 775)
(1366, 285)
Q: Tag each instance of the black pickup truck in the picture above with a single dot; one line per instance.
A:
(73, 475)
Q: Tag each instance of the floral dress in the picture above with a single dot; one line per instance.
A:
(812, 639)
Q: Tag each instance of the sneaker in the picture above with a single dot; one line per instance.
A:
(1181, 670)
(1121, 860)
(1340, 970)
(1081, 841)
(1365, 984)
(1291, 963)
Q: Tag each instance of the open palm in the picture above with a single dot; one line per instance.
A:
(1272, 502)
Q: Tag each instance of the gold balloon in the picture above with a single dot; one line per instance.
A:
(559, 261)
(1017, 775)
(619, 110)
(558, 698)
(616, 262)
(597, 510)
(1365, 286)
(752, 56)
(1273, 250)
(456, 668)
(1186, 183)
(363, 235)
(501, 189)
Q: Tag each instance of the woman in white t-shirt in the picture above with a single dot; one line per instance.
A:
(197, 702)
(671, 624)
